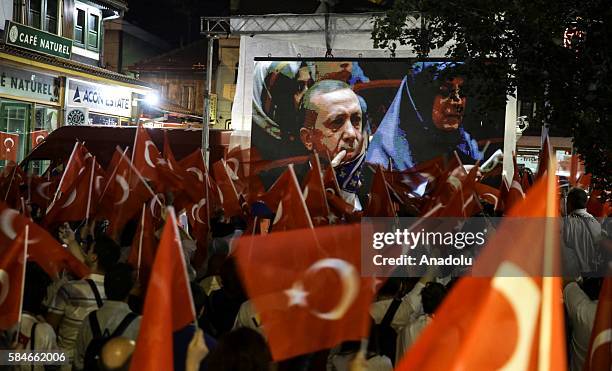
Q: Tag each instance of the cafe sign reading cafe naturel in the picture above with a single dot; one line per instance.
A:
(39, 41)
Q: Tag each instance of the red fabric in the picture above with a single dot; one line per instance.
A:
(76, 162)
(11, 179)
(515, 192)
(597, 208)
(125, 193)
(489, 195)
(43, 248)
(231, 203)
(9, 146)
(482, 315)
(463, 203)
(599, 356)
(169, 173)
(144, 243)
(323, 262)
(37, 137)
(545, 155)
(380, 204)
(286, 199)
(168, 304)
(72, 205)
(145, 155)
(314, 194)
(41, 190)
(12, 264)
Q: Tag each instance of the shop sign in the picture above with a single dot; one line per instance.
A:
(39, 41)
(213, 108)
(109, 99)
(76, 116)
(95, 119)
(32, 85)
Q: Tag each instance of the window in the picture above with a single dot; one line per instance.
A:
(93, 31)
(51, 16)
(34, 13)
(17, 11)
(79, 27)
(165, 90)
(188, 97)
(87, 27)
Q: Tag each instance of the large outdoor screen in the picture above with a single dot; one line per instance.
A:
(397, 113)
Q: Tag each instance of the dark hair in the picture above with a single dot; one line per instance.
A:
(230, 280)
(119, 281)
(390, 287)
(198, 295)
(577, 197)
(431, 296)
(108, 252)
(35, 288)
(592, 287)
(242, 349)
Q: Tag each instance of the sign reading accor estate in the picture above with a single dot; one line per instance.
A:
(39, 41)
(109, 99)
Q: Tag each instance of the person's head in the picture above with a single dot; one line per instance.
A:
(592, 287)
(391, 287)
(230, 281)
(102, 254)
(242, 349)
(119, 281)
(116, 354)
(576, 199)
(449, 105)
(431, 296)
(35, 289)
(332, 120)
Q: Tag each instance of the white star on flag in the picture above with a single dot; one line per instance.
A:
(296, 295)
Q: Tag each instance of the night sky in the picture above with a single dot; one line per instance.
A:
(176, 21)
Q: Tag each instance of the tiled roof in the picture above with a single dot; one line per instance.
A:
(189, 58)
(69, 64)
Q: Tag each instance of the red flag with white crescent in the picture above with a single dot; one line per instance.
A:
(314, 193)
(9, 146)
(306, 286)
(37, 137)
(599, 356)
(145, 155)
(12, 272)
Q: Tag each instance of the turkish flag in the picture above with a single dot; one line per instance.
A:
(41, 190)
(597, 208)
(37, 137)
(145, 155)
(227, 190)
(12, 271)
(599, 356)
(169, 173)
(144, 246)
(515, 193)
(380, 204)
(441, 190)
(77, 162)
(285, 196)
(314, 193)
(489, 195)
(78, 203)
(511, 309)
(11, 179)
(43, 249)
(463, 203)
(124, 194)
(306, 286)
(168, 304)
(9, 146)
(546, 152)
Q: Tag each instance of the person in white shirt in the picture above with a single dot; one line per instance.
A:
(581, 235)
(581, 304)
(432, 296)
(34, 333)
(118, 283)
(76, 299)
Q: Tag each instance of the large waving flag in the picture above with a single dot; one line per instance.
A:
(12, 276)
(227, 190)
(43, 249)
(599, 356)
(511, 317)
(168, 304)
(380, 204)
(307, 288)
(74, 166)
(285, 196)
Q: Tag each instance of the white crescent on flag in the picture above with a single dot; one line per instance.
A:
(350, 288)
(124, 188)
(40, 189)
(70, 199)
(6, 223)
(147, 155)
(197, 172)
(9, 140)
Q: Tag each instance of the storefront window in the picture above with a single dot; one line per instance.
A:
(35, 12)
(14, 128)
(51, 17)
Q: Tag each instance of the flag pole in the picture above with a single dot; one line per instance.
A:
(25, 260)
(59, 186)
(93, 166)
(142, 219)
(11, 182)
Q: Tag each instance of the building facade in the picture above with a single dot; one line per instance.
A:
(50, 72)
